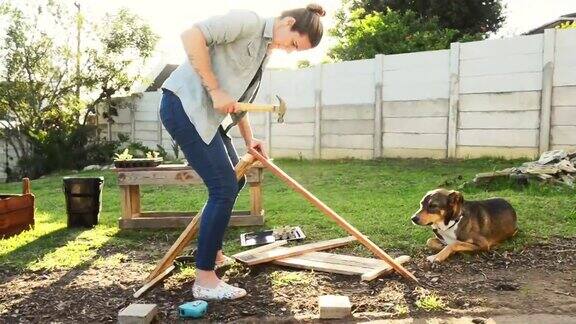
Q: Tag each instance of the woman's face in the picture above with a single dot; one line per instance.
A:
(286, 39)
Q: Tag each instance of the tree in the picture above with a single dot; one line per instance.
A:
(303, 64)
(41, 113)
(392, 32)
(468, 17)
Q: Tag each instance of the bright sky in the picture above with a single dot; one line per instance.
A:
(169, 18)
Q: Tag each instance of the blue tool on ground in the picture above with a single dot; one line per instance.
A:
(194, 309)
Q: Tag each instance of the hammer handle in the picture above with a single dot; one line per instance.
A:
(255, 107)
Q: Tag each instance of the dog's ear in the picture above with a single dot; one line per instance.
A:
(455, 198)
(455, 201)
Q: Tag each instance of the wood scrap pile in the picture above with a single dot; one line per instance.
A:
(306, 256)
(553, 166)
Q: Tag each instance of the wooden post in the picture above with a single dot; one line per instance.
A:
(255, 199)
(547, 84)
(134, 200)
(378, 84)
(130, 201)
(333, 215)
(454, 100)
(125, 202)
(318, 112)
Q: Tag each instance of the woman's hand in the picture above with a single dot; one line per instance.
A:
(223, 102)
(258, 145)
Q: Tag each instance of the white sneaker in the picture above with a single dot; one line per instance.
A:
(220, 292)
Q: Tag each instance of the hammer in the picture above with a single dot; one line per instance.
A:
(280, 109)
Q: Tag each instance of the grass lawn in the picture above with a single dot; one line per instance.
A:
(377, 197)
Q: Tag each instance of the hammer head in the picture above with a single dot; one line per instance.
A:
(281, 109)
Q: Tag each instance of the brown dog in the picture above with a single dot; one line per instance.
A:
(464, 225)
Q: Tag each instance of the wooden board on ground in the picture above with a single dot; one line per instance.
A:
(267, 256)
(367, 268)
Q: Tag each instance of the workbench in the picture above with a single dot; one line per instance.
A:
(132, 217)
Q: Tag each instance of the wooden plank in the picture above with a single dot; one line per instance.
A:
(186, 214)
(154, 281)
(332, 215)
(309, 262)
(342, 259)
(255, 199)
(268, 256)
(384, 270)
(260, 249)
(176, 176)
(165, 221)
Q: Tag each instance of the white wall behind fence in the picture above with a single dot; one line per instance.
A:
(510, 97)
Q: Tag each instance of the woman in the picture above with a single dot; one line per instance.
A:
(226, 56)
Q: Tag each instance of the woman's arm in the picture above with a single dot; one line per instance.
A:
(197, 52)
(246, 132)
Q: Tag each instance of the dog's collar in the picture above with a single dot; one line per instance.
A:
(451, 223)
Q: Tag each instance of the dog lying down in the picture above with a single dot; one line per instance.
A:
(464, 225)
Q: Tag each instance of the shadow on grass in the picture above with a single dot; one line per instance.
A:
(23, 256)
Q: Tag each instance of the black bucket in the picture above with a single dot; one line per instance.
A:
(83, 200)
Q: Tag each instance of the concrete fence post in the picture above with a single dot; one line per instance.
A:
(378, 84)
(547, 84)
(452, 140)
(318, 111)
(268, 117)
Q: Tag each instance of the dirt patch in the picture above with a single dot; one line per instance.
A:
(538, 279)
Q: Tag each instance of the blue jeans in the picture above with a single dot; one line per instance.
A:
(214, 163)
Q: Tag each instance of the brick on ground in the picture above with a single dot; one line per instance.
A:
(138, 314)
(334, 306)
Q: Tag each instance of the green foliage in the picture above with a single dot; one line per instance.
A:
(392, 32)
(466, 16)
(303, 64)
(567, 25)
(430, 302)
(43, 116)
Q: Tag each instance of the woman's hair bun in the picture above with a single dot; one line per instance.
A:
(316, 8)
